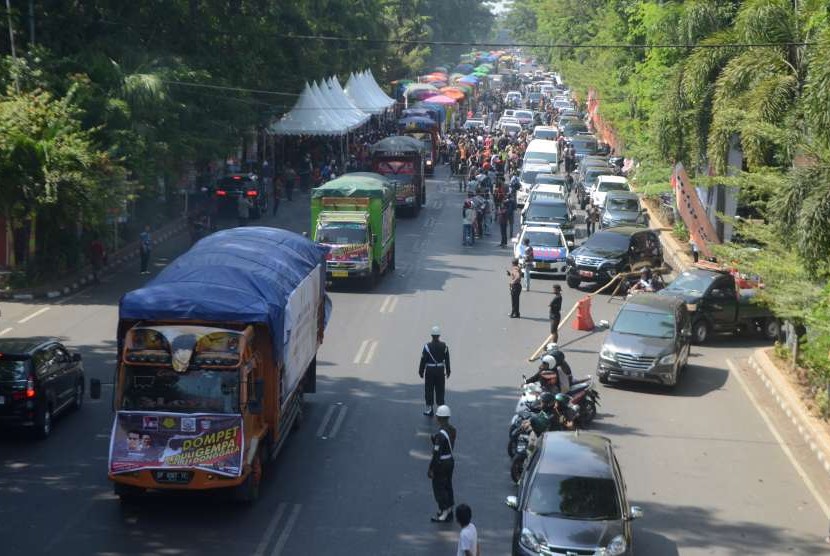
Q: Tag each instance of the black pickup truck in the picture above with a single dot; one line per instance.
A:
(718, 306)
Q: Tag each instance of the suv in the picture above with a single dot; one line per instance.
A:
(572, 499)
(622, 207)
(229, 189)
(611, 251)
(39, 379)
(549, 211)
(648, 342)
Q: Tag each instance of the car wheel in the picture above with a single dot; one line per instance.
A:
(590, 413)
(572, 282)
(700, 331)
(517, 467)
(772, 329)
(78, 396)
(511, 447)
(603, 378)
(43, 423)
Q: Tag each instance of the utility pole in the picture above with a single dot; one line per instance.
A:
(11, 42)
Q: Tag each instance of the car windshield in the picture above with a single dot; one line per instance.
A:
(584, 146)
(691, 281)
(529, 176)
(196, 390)
(564, 496)
(522, 114)
(342, 233)
(534, 96)
(512, 128)
(545, 134)
(544, 239)
(622, 204)
(607, 242)
(550, 157)
(645, 323)
(546, 212)
(573, 129)
(612, 186)
(550, 178)
(12, 371)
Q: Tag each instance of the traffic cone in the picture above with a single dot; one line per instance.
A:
(583, 315)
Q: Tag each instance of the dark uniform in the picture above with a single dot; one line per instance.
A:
(515, 285)
(434, 366)
(555, 316)
(441, 467)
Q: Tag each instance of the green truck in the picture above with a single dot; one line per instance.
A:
(354, 216)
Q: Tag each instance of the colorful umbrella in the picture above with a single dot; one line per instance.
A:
(440, 99)
(453, 92)
(418, 90)
(469, 79)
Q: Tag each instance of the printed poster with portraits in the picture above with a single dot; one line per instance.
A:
(158, 440)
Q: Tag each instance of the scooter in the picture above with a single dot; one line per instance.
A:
(526, 444)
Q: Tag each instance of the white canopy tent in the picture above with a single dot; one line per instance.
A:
(373, 86)
(343, 102)
(338, 116)
(361, 97)
(308, 117)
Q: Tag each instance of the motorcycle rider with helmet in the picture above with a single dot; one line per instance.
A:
(554, 374)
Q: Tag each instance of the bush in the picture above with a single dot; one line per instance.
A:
(680, 232)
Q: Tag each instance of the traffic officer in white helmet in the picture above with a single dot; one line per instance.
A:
(442, 465)
(434, 369)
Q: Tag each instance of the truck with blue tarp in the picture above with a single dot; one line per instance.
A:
(214, 356)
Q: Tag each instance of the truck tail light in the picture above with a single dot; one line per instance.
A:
(221, 193)
(252, 193)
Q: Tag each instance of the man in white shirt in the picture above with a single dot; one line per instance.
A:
(468, 537)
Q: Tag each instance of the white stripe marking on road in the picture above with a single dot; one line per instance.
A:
(322, 428)
(360, 351)
(733, 370)
(6, 331)
(392, 305)
(33, 315)
(339, 421)
(371, 353)
(269, 532)
(286, 530)
(385, 303)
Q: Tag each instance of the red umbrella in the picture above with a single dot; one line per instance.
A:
(441, 99)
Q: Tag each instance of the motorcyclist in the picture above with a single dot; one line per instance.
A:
(541, 422)
(562, 417)
(547, 376)
(566, 377)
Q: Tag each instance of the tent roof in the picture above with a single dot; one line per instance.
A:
(355, 184)
(308, 117)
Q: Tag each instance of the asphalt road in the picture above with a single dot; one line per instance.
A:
(700, 460)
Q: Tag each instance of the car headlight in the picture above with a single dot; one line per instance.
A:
(410, 199)
(429, 163)
(530, 540)
(668, 359)
(617, 546)
(607, 353)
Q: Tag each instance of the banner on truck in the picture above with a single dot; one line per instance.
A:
(301, 314)
(144, 440)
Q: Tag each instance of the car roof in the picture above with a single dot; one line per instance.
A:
(545, 128)
(552, 229)
(613, 179)
(24, 346)
(534, 167)
(548, 188)
(578, 454)
(627, 230)
(547, 201)
(650, 303)
(622, 195)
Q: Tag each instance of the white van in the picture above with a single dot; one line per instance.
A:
(549, 133)
(544, 150)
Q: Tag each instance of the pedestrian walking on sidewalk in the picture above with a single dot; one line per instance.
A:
(290, 177)
(434, 368)
(145, 245)
(468, 537)
(555, 313)
(442, 465)
(515, 285)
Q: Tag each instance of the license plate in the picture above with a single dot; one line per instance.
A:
(173, 477)
(340, 274)
(637, 374)
(586, 273)
(542, 265)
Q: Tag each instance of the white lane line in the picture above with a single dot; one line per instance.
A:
(392, 305)
(360, 351)
(33, 315)
(371, 354)
(321, 429)
(269, 532)
(6, 331)
(733, 370)
(385, 303)
(339, 421)
(283, 538)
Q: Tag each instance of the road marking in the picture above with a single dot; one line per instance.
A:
(372, 347)
(338, 421)
(283, 538)
(359, 356)
(392, 305)
(733, 370)
(385, 303)
(269, 532)
(322, 428)
(33, 315)
(389, 304)
(6, 331)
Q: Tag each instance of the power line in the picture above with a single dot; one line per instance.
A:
(227, 88)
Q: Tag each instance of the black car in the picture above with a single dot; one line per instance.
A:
(648, 342)
(572, 499)
(229, 189)
(611, 251)
(39, 379)
(550, 211)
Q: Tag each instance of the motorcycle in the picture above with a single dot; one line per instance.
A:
(526, 442)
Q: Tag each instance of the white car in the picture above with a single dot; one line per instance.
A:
(550, 250)
(606, 184)
(527, 178)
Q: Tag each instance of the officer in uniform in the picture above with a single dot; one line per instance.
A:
(435, 366)
(441, 466)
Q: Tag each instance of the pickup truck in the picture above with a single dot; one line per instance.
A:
(718, 305)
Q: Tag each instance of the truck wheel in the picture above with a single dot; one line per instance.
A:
(772, 329)
(572, 282)
(700, 331)
(248, 491)
(127, 493)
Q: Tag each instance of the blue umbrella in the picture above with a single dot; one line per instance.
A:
(471, 79)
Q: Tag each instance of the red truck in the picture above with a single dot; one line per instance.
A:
(401, 159)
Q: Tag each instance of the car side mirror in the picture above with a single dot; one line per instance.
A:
(570, 244)
(512, 502)
(76, 357)
(636, 512)
(94, 388)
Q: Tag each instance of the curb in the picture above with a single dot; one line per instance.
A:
(790, 404)
(118, 259)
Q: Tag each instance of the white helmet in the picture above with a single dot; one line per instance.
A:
(442, 411)
(436, 331)
(552, 346)
(549, 360)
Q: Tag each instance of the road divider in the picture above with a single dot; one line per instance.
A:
(33, 315)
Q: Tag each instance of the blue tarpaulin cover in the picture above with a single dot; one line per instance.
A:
(241, 275)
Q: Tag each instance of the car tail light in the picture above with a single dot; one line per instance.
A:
(237, 178)
(30, 387)
(252, 193)
(221, 193)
